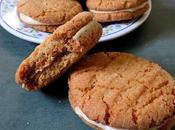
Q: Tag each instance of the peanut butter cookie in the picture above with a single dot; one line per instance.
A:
(59, 51)
(43, 13)
(117, 10)
(114, 91)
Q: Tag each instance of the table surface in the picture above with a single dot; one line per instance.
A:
(49, 108)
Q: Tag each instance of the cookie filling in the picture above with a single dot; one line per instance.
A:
(102, 126)
(123, 10)
(60, 56)
(29, 20)
(91, 24)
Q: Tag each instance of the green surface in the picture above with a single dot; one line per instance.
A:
(49, 108)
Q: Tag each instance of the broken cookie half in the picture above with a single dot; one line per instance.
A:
(59, 51)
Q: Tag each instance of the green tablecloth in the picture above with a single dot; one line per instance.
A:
(49, 109)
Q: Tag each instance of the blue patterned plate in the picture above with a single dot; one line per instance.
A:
(9, 20)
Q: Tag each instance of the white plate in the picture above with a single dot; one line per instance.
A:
(9, 20)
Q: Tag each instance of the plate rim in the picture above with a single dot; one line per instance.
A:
(134, 25)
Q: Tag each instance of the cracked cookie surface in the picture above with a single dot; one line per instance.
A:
(52, 12)
(111, 5)
(122, 91)
(49, 12)
(117, 10)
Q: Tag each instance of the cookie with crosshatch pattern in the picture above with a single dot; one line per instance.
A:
(120, 91)
(47, 15)
(117, 10)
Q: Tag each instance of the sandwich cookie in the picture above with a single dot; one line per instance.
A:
(47, 15)
(117, 10)
(59, 51)
(119, 91)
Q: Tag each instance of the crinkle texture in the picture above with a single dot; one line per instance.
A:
(116, 5)
(111, 5)
(122, 90)
(52, 12)
(120, 16)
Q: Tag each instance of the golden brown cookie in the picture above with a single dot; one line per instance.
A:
(59, 51)
(117, 10)
(47, 12)
(118, 90)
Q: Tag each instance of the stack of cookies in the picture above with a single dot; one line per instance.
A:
(107, 90)
(47, 15)
(117, 10)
